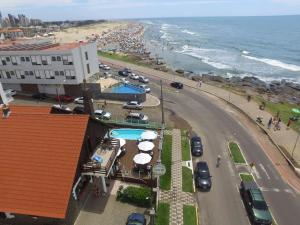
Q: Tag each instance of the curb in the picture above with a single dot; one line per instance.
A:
(295, 169)
(197, 213)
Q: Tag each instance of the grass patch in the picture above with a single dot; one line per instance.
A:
(284, 109)
(185, 146)
(166, 159)
(189, 215)
(122, 57)
(246, 177)
(163, 214)
(187, 180)
(236, 153)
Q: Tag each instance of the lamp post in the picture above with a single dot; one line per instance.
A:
(295, 144)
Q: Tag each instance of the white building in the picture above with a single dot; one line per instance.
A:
(47, 67)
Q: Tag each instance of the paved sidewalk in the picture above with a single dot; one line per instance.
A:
(285, 138)
(176, 197)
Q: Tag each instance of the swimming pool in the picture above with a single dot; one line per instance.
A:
(127, 88)
(127, 134)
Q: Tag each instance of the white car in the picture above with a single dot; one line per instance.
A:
(101, 114)
(137, 118)
(106, 67)
(79, 100)
(124, 81)
(143, 79)
(62, 107)
(134, 76)
(146, 88)
(11, 92)
(101, 66)
(132, 105)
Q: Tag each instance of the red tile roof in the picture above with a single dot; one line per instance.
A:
(38, 161)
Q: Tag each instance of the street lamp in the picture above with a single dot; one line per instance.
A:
(295, 144)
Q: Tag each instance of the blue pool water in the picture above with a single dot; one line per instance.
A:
(127, 89)
(127, 134)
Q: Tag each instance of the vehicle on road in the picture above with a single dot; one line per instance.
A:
(61, 109)
(143, 79)
(106, 67)
(11, 92)
(132, 105)
(202, 176)
(80, 100)
(64, 98)
(255, 203)
(134, 76)
(124, 80)
(136, 219)
(101, 114)
(196, 146)
(101, 66)
(137, 118)
(177, 85)
(78, 110)
(123, 73)
(40, 96)
(146, 88)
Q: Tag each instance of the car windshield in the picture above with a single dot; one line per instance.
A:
(260, 205)
(203, 174)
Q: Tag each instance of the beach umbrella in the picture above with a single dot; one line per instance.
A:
(122, 142)
(146, 146)
(148, 135)
(142, 158)
(295, 110)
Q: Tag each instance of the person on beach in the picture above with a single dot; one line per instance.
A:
(277, 125)
(249, 98)
(270, 123)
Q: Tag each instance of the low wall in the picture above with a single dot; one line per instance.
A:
(121, 97)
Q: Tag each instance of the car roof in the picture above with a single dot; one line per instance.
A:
(133, 102)
(136, 217)
(134, 114)
(98, 111)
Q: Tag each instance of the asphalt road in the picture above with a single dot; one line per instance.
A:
(222, 205)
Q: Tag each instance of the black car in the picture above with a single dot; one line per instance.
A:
(196, 146)
(78, 110)
(136, 219)
(177, 85)
(123, 73)
(255, 203)
(202, 176)
(40, 96)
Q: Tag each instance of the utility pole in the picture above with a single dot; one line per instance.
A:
(162, 106)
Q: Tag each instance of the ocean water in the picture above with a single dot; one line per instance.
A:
(266, 47)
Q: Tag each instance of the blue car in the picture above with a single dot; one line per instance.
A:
(136, 219)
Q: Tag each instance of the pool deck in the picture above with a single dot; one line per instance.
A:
(127, 163)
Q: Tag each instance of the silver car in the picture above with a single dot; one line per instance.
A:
(132, 105)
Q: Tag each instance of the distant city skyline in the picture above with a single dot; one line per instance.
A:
(127, 9)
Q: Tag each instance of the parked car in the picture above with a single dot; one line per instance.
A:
(132, 105)
(79, 100)
(123, 73)
(78, 110)
(61, 109)
(137, 118)
(101, 114)
(124, 80)
(255, 203)
(133, 76)
(136, 219)
(107, 74)
(101, 65)
(177, 85)
(64, 98)
(11, 92)
(106, 67)
(196, 146)
(143, 79)
(146, 88)
(202, 176)
(39, 96)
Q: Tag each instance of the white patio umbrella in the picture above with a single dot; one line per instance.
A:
(146, 146)
(148, 135)
(142, 158)
(122, 142)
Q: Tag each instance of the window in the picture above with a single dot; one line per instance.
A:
(7, 75)
(22, 59)
(53, 58)
(88, 68)
(44, 60)
(8, 59)
(33, 60)
(31, 73)
(27, 59)
(86, 56)
(12, 73)
(26, 73)
(3, 62)
(62, 73)
(14, 60)
(58, 58)
(56, 73)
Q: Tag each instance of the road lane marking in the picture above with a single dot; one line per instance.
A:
(256, 173)
(265, 171)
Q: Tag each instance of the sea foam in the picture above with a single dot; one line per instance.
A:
(274, 62)
(188, 32)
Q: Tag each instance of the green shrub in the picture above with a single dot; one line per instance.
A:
(138, 196)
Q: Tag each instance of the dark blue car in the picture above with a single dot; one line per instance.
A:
(136, 219)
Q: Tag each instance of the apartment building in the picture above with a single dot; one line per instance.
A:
(47, 67)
